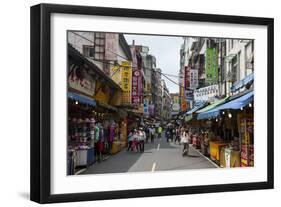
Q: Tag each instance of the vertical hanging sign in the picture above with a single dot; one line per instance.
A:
(211, 66)
(135, 87)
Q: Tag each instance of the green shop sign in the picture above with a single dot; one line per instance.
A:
(211, 66)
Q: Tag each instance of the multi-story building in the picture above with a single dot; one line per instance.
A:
(149, 64)
(188, 74)
(219, 62)
(153, 92)
(158, 98)
(239, 64)
(110, 54)
(166, 102)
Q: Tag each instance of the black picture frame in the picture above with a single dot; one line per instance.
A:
(40, 102)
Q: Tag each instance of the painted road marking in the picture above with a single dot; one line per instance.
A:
(153, 167)
(80, 171)
(158, 147)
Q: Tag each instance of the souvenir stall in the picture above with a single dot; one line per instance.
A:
(240, 149)
(229, 153)
(81, 132)
(108, 130)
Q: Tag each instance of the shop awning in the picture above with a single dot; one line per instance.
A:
(238, 102)
(107, 106)
(81, 99)
(188, 118)
(195, 109)
(212, 106)
(207, 113)
(242, 83)
(233, 104)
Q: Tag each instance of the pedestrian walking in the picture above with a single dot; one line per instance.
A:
(167, 133)
(135, 142)
(130, 140)
(146, 133)
(177, 135)
(152, 134)
(172, 132)
(184, 141)
(142, 138)
(159, 131)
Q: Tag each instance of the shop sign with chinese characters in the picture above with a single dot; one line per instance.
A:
(126, 79)
(186, 77)
(207, 93)
(136, 79)
(193, 79)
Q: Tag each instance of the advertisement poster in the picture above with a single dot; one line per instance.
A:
(79, 79)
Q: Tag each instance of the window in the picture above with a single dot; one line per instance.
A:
(88, 50)
(231, 43)
(234, 69)
(99, 48)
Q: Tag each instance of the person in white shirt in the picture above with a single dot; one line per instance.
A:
(142, 137)
(185, 142)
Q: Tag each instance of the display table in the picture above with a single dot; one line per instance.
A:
(215, 147)
(90, 156)
(116, 147)
(85, 157)
(81, 157)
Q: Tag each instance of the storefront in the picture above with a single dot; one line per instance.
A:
(94, 120)
(81, 132)
(227, 128)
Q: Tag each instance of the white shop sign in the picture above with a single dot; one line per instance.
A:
(207, 93)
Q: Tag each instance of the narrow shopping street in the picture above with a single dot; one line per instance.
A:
(158, 156)
(122, 89)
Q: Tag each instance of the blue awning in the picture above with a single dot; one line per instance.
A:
(233, 104)
(81, 99)
(195, 108)
(242, 82)
(238, 102)
(208, 115)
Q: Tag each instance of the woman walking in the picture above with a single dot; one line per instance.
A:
(184, 140)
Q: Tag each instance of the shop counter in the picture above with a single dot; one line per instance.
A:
(215, 147)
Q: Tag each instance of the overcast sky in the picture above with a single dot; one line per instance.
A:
(166, 50)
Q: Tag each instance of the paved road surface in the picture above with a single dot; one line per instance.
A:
(158, 156)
